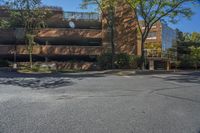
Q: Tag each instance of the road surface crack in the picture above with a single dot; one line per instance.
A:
(180, 98)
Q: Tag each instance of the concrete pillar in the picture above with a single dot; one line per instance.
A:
(15, 66)
(151, 65)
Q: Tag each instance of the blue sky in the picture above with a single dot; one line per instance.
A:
(184, 25)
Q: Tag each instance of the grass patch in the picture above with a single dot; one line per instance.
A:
(35, 69)
(45, 69)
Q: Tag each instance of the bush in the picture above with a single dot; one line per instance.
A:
(105, 61)
(121, 61)
(135, 62)
(186, 62)
(4, 63)
(36, 68)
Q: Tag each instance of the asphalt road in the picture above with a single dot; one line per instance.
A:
(167, 103)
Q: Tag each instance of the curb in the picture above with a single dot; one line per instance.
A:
(7, 69)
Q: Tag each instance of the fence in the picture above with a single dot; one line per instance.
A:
(81, 16)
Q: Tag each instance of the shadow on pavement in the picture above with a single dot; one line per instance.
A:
(193, 77)
(46, 75)
(42, 81)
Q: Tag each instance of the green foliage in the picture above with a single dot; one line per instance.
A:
(188, 49)
(153, 11)
(190, 57)
(185, 62)
(121, 61)
(105, 61)
(189, 37)
(195, 56)
(4, 24)
(135, 62)
(30, 40)
(195, 37)
(35, 69)
(28, 15)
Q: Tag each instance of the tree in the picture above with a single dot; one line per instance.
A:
(187, 48)
(3, 22)
(152, 11)
(188, 37)
(195, 37)
(195, 56)
(31, 17)
(107, 8)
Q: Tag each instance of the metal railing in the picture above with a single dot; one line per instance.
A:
(81, 16)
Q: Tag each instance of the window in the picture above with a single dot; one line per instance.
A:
(152, 35)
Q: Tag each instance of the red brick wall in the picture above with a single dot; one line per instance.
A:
(126, 32)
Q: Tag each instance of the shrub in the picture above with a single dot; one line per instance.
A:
(135, 61)
(105, 61)
(122, 61)
(195, 56)
(4, 63)
(186, 62)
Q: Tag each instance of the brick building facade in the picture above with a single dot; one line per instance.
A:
(160, 38)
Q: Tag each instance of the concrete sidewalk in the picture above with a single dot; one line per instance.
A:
(133, 72)
(118, 72)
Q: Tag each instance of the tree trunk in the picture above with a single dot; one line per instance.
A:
(112, 32)
(15, 54)
(30, 56)
(112, 46)
(143, 55)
